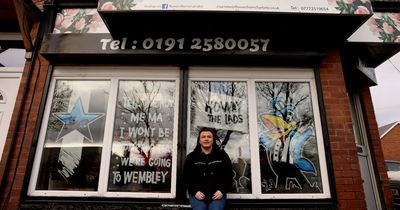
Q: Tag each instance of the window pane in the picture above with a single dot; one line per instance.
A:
(289, 160)
(142, 148)
(223, 105)
(74, 137)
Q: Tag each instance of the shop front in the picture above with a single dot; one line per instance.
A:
(125, 86)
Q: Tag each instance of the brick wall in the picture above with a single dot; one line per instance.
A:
(391, 144)
(344, 155)
(342, 143)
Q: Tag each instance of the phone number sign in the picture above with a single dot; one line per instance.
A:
(187, 44)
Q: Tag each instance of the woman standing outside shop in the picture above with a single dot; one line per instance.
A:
(207, 173)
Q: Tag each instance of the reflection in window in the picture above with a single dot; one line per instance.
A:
(142, 147)
(289, 160)
(74, 138)
(223, 105)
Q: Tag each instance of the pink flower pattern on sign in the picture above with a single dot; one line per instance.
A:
(386, 26)
(359, 7)
(79, 21)
(112, 5)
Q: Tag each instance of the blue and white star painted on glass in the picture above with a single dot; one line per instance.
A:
(78, 120)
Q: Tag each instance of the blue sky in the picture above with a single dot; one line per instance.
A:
(386, 95)
(13, 57)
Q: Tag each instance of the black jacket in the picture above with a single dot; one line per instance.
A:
(208, 173)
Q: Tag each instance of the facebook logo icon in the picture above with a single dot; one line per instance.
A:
(164, 6)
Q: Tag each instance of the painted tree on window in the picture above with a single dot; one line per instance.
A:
(143, 111)
(60, 103)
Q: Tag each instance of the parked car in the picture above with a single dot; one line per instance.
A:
(393, 170)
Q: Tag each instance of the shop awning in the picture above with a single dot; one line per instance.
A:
(373, 43)
(376, 40)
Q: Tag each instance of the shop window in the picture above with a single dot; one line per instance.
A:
(267, 120)
(142, 143)
(223, 106)
(114, 134)
(289, 160)
(73, 143)
(108, 136)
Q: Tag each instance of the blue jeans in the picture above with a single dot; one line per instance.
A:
(213, 205)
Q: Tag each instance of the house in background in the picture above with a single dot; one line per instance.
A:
(390, 140)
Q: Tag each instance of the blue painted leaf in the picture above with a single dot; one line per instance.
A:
(305, 165)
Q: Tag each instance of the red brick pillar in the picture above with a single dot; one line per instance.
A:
(349, 189)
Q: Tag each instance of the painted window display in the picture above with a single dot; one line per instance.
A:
(223, 105)
(142, 147)
(289, 161)
(116, 136)
(132, 151)
(74, 139)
